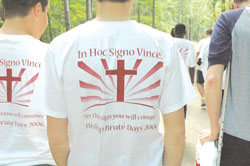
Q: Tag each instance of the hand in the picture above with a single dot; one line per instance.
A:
(199, 62)
(206, 136)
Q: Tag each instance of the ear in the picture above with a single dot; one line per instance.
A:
(37, 9)
(237, 5)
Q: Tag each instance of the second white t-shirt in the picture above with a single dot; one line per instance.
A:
(110, 79)
(23, 131)
(186, 51)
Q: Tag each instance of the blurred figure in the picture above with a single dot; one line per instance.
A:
(186, 51)
(202, 61)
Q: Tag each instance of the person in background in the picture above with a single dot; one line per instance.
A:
(23, 131)
(186, 51)
(172, 32)
(107, 79)
(230, 43)
(202, 61)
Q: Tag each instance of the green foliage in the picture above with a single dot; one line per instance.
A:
(197, 15)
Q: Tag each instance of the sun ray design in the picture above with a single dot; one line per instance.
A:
(17, 93)
(32, 80)
(1, 83)
(105, 65)
(121, 72)
(25, 94)
(158, 66)
(149, 88)
(86, 68)
(19, 75)
(93, 87)
(91, 98)
(22, 101)
(152, 98)
(2, 93)
(136, 66)
(145, 105)
(98, 105)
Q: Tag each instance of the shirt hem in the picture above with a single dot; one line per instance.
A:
(48, 112)
(49, 162)
(236, 135)
(178, 106)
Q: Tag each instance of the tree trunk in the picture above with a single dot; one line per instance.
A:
(199, 32)
(67, 14)
(153, 25)
(180, 12)
(190, 29)
(223, 6)
(89, 9)
(139, 12)
(50, 31)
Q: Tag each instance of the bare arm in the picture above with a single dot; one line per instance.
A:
(213, 93)
(58, 140)
(174, 138)
(191, 73)
(197, 55)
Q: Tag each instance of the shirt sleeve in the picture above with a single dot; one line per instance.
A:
(192, 59)
(48, 95)
(221, 42)
(177, 88)
(199, 46)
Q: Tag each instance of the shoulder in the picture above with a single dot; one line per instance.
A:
(190, 43)
(38, 46)
(227, 20)
(232, 14)
(162, 37)
(66, 41)
(202, 41)
(186, 42)
(67, 37)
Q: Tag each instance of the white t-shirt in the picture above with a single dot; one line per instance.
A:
(203, 48)
(198, 49)
(187, 52)
(110, 79)
(23, 131)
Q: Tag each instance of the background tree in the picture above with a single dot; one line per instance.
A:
(67, 15)
(89, 9)
(197, 15)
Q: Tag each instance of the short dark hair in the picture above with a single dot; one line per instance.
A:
(209, 31)
(13, 8)
(120, 1)
(240, 1)
(180, 29)
(172, 32)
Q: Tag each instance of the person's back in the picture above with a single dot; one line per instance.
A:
(108, 78)
(230, 43)
(238, 114)
(238, 94)
(23, 130)
(187, 52)
(204, 56)
(112, 100)
(186, 49)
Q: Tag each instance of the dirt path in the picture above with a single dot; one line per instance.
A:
(197, 120)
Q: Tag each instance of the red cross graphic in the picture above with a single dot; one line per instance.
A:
(121, 73)
(9, 80)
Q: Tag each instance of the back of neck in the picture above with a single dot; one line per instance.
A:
(108, 11)
(15, 26)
